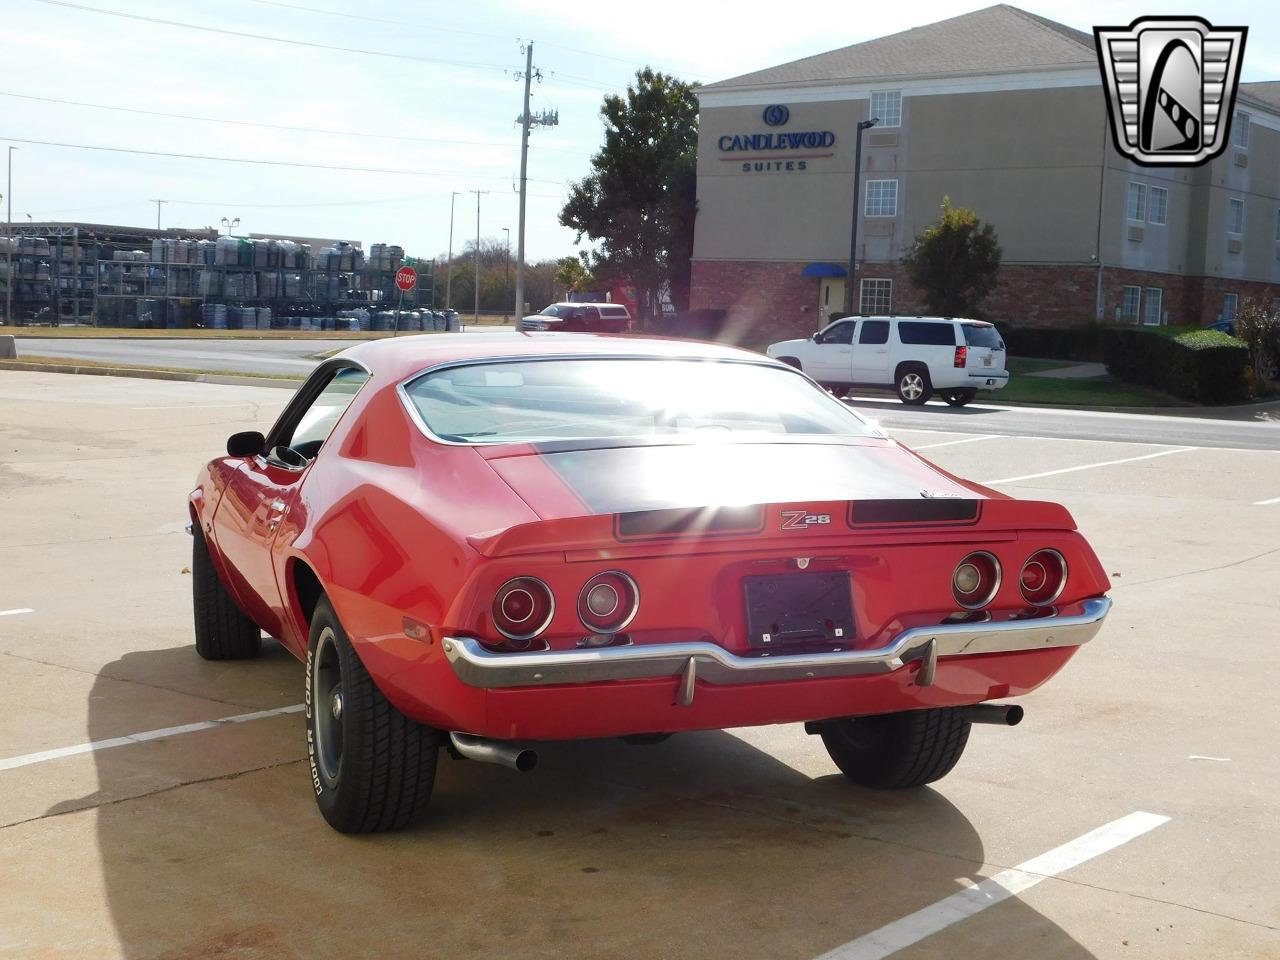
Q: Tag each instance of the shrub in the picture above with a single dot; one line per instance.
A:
(1201, 365)
(1259, 328)
(1204, 365)
(1054, 343)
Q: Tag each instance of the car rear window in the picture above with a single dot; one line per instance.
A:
(982, 335)
(924, 332)
(615, 313)
(527, 401)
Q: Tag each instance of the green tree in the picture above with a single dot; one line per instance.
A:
(956, 262)
(637, 205)
(572, 274)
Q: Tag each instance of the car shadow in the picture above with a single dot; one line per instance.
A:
(872, 404)
(701, 846)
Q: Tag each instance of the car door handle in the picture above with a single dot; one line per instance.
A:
(882, 351)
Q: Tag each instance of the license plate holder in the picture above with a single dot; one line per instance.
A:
(795, 609)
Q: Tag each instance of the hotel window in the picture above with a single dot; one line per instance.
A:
(887, 105)
(1235, 217)
(1151, 308)
(882, 198)
(876, 297)
(1129, 304)
(1136, 206)
(1240, 130)
(1158, 211)
(1229, 306)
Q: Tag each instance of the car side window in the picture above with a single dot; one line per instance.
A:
(318, 420)
(590, 313)
(840, 333)
(925, 333)
(874, 331)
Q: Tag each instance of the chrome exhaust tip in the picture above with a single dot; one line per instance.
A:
(494, 751)
(1001, 714)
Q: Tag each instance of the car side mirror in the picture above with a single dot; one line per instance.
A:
(814, 338)
(247, 444)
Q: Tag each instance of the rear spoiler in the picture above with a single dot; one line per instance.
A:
(777, 524)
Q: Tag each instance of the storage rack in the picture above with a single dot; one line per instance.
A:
(69, 274)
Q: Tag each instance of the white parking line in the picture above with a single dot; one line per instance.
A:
(14, 612)
(1089, 466)
(952, 443)
(92, 747)
(913, 928)
(1267, 503)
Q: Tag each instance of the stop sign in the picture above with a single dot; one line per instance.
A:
(406, 278)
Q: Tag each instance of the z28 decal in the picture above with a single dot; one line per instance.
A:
(801, 520)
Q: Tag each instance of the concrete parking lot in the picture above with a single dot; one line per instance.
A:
(133, 823)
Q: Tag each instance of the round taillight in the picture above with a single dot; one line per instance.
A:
(1043, 577)
(523, 608)
(976, 580)
(608, 602)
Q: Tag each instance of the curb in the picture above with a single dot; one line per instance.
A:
(138, 373)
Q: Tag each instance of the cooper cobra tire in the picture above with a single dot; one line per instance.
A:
(897, 750)
(223, 631)
(372, 768)
(791, 362)
(913, 384)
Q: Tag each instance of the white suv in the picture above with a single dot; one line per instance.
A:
(915, 355)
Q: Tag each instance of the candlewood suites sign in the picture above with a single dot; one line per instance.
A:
(774, 152)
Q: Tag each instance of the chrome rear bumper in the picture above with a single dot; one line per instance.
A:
(477, 666)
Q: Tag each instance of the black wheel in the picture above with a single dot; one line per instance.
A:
(372, 768)
(837, 390)
(897, 750)
(791, 362)
(958, 398)
(914, 386)
(223, 630)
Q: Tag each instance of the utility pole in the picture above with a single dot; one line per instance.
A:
(158, 203)
(8, 280)
(477, 252)
(547, 118)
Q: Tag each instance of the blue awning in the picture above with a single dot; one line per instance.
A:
(824, 270)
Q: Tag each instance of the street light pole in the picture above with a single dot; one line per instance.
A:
(506, 265)
(8, 284)
(158, 203)
(448, 267)
(857, 213)
(477, 259)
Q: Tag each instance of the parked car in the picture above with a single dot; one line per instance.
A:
(579, 318)
(917, 356)
(476, 541)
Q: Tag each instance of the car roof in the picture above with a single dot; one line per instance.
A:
(401, 357)
(587, 303)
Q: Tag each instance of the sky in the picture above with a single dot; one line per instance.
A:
(420, 103)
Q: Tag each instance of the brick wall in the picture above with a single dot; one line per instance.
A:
(770, 301)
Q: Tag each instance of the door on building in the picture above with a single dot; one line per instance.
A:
(830, 299)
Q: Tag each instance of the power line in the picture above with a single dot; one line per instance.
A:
(266, 126)
(468, 64)
(434, 28)
(258, 162)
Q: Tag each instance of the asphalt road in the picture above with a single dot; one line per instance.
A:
(1241, 427)
(156, 805)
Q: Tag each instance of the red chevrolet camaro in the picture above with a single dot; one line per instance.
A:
(473, 541)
